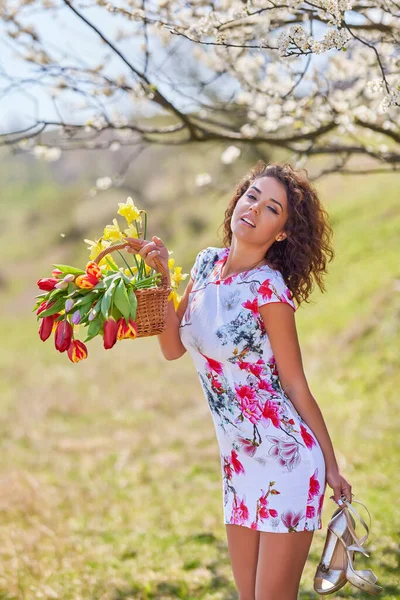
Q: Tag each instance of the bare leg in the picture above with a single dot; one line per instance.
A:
(281, 561)
(243, 553)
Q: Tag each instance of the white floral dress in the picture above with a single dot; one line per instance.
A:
(272, 465)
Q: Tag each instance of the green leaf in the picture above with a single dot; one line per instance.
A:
(85, 301)
(68, 269)
(93, 328)
(59, 305)
(115, 313)
(55, 293)
(105, 304)
(108, 297)
(132, 302)
(112, 267)
(121, 299)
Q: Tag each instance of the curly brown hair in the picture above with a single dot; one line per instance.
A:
(302, 256)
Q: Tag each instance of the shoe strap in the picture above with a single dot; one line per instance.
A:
(351, 529)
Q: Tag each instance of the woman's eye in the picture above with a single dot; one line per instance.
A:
(270, 207)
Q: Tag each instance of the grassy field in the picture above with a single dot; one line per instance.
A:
(109, 475)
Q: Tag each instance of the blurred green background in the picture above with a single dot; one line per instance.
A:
(110, 479)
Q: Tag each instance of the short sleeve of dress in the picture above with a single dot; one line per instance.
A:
(274, 289)
(194, 271)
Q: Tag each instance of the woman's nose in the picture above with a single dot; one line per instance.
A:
(254, 207)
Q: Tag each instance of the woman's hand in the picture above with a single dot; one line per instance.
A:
(339, 484)
(150, 250)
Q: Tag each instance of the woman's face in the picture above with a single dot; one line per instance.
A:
(266, 205)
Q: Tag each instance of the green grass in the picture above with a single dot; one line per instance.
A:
(109, 471)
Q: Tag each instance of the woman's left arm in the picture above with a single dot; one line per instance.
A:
(280, 325)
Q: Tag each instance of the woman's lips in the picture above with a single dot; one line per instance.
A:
(247, 224)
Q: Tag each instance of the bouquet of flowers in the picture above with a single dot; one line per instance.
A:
(115, 302)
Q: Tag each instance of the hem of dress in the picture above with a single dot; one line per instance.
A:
(273, 530)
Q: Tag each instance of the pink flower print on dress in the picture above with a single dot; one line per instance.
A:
(237, 465)
(252, 305)
(314, 486)
(266, 385)
(250, 406)
(213, 365)
(310, 512)
(254, 368)
(265, 512)
(307, 437)
(240, 512)
(232, 464)
(287, 453)
(265, 290)
(270, 414)
(248, 446)
(216, 385)
(227, 469)
(291, 520)
(272, 366)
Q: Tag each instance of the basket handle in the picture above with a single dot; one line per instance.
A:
(134, 243)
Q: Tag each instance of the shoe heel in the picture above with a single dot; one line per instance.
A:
(330, 573)
(362, 579)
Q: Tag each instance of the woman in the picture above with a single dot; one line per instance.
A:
(236, 319)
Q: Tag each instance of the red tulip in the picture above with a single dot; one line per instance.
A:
(44, 306)
(125, 331)
(56, 272)
(91, 277)
(110, 333)
(77, 351)
(63, 335)
(46, 327)
(47, 283)
(55, 324)
(86, 281)
(93, 270)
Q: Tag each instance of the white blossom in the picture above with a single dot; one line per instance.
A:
(203, 179)
(47, 153)
(103, 183)
(230, 155)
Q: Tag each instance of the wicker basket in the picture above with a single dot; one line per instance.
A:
(152, 303)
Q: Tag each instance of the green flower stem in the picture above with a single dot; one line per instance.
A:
(123, 258)
(141, 266)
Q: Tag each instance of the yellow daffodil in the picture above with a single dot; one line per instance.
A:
(128, 272)
(95, 249)
(131, 231)
(171, 262)
(175, 297)
(129, 211)
(113, 232)
(177, 276)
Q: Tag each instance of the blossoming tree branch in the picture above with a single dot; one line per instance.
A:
(318, 77)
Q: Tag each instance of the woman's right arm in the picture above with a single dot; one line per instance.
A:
(170, 341)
